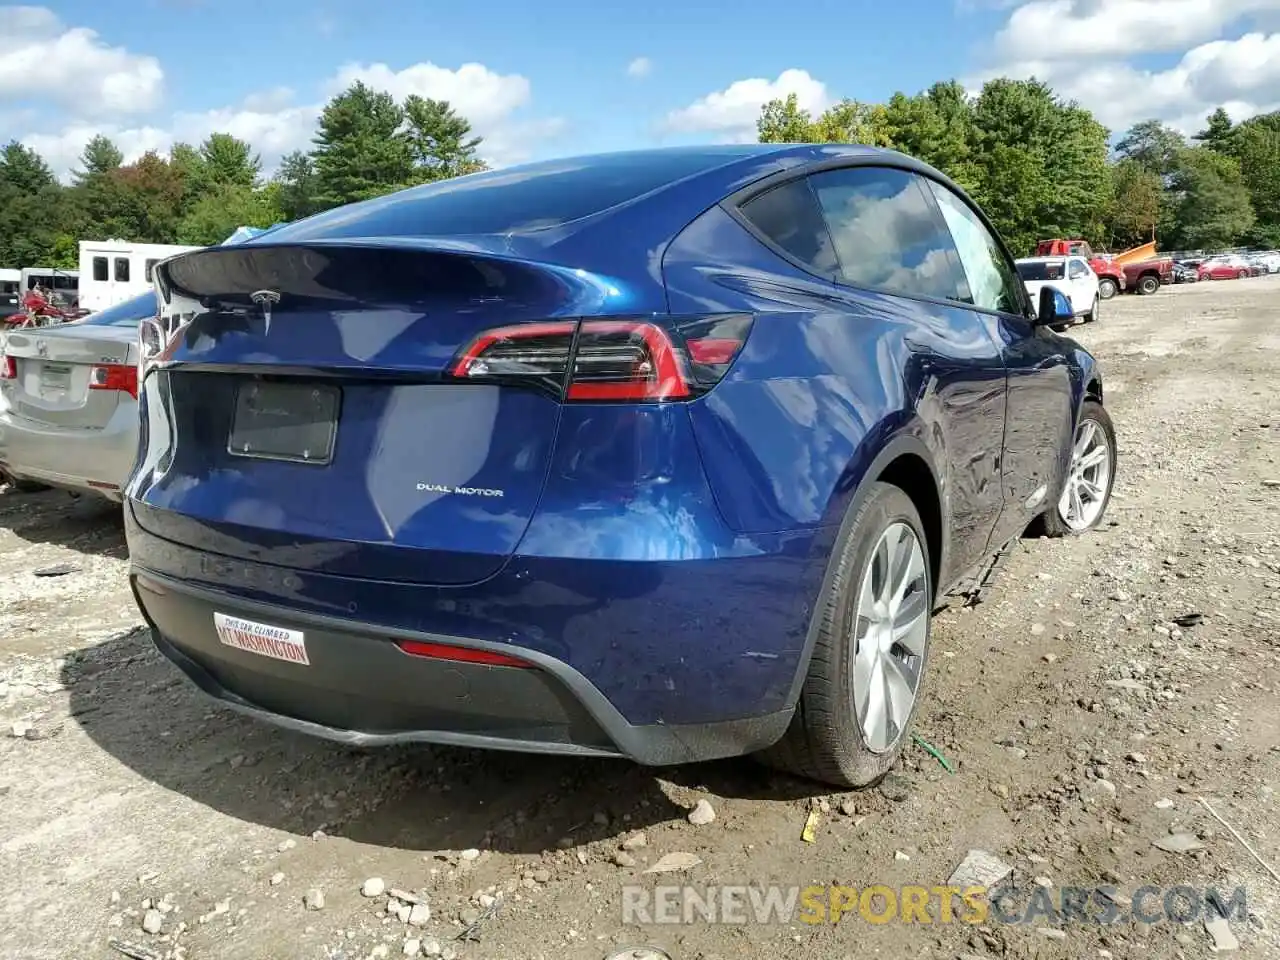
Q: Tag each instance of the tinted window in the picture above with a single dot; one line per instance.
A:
(516, 199)
(63, 282)
(992, 282)
(788, 215)
(122, 269)
(887, 234)
(1039, 270)
(127, 314)
(100, 269)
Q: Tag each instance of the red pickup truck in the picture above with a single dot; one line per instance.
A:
(1142, 276)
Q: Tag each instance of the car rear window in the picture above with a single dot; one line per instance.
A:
(1040, 271)
(127, 314)
(535, 196)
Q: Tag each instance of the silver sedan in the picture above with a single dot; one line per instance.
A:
(69, 401)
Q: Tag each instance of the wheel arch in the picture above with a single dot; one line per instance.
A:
(906, 463)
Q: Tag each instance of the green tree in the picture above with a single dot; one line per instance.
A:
(225, 207)
(440, 140)
(297, 188)
(1255, 144)
(1218, 131)
(783, 121)
(1040, 163)
(1152, 145)
(1134, 210)
(100, 156)
(226, 161)
(361, 149)
(1208, 204)
(24, 169)
(937, 127)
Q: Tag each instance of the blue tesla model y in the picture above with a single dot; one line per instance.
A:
(667, 455)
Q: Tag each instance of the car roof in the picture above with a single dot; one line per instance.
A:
(1057, 259)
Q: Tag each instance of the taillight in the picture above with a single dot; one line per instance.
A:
(609, 360)
(8, 368)
(115, 376)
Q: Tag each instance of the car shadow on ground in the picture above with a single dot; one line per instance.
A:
(139, 709)
(87, 524)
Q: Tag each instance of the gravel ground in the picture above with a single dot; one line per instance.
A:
(1082, 722)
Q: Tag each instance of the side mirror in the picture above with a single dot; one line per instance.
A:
(1055, 308)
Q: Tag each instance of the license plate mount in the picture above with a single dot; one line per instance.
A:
(285, 421)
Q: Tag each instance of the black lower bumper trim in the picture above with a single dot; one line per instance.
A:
(360, 689)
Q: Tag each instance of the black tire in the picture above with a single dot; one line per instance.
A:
(1092, 315)
(1107, 288)
(825, 740)
(1052, 523)
(1148, 285)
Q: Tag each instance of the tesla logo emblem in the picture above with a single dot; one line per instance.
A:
(266, 299)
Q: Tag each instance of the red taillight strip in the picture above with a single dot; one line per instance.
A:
(667, 382)
(122, 377)
(445, 651)
(520, 331)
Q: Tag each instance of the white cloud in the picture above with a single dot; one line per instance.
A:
(43, 61)
(640, 67)
(473, 90)
(1084, 49)
(733, 111)
(1074, 29)
(274, 124)
(1241, 74)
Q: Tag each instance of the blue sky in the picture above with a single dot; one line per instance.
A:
(571, 76)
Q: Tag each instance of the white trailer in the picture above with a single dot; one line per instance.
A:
(112, 271)
(10, 285)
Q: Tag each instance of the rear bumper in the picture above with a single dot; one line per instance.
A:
(97, 461)
(361, 689)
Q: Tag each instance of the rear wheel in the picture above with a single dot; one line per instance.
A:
(1091, 475)
(1148, 285)
(1092, 315)
(1107, 288)
(861, 693)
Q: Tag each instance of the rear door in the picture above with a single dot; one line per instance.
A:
(1040, 419)
(889, 237)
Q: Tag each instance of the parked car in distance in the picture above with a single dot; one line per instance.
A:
(1071, 275)
(1185, 273)
(68, 401)
(636, 455)
(1224, 268)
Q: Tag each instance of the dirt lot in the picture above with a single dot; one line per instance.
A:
(1081, 722)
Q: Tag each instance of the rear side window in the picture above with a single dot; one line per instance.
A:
(100, 269)
(887, 233)
(992, 281)
(1040, 270)
(1078, 269)
(789, 216)
(535, 196)
(127, 314)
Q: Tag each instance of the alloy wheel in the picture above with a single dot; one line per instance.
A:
(1084, 496)
(890, 632)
